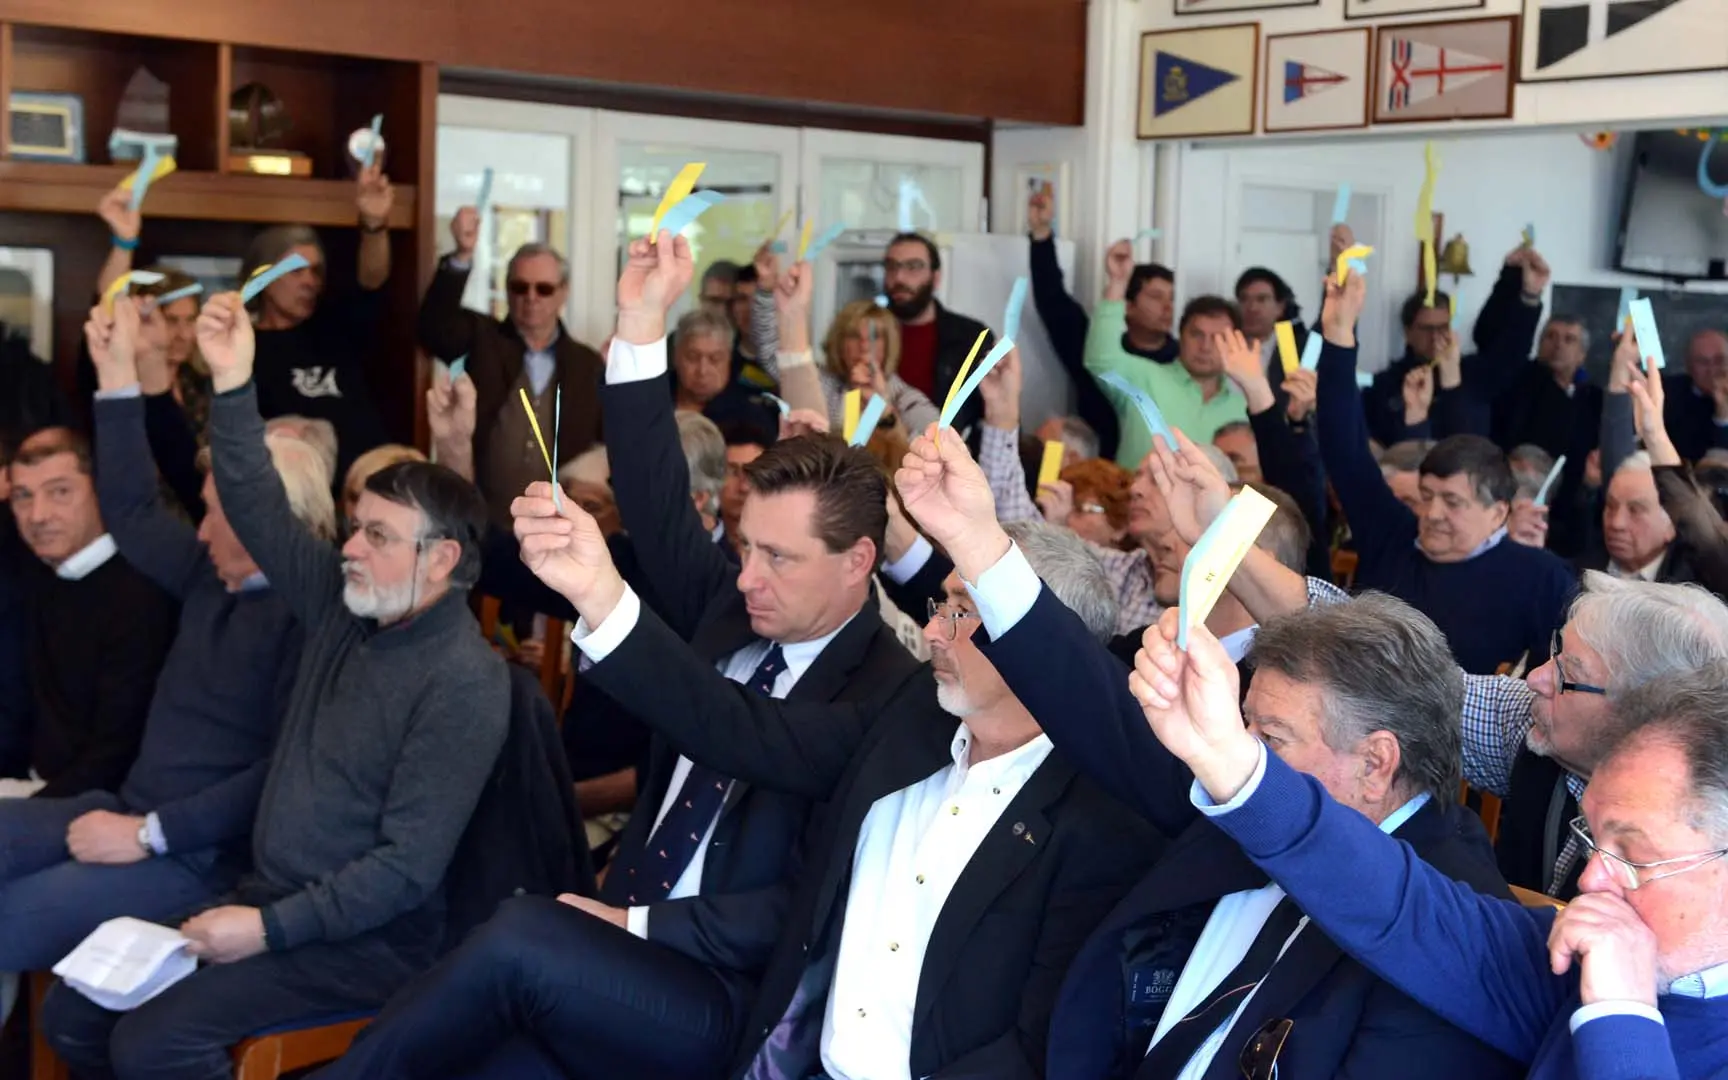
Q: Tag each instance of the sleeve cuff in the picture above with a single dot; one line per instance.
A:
(598, 642)
(636, 921)
(121, 393)
(1586, 1013)
(153, 833)
(903, 569)
(1203, 801)
(789, 360)
(626, 363)
(1005, 592)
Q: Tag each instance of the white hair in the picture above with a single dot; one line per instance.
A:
(1221, 461)
(704, 457)
(1073, 574)
(319, 434)
(1645, 631)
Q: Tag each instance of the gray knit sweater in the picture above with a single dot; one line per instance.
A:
(389, 734)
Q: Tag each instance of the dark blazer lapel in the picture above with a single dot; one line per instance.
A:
(1202, 865)
(834, 667)
(1018, 837)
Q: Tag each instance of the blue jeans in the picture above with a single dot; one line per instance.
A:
(49, 903)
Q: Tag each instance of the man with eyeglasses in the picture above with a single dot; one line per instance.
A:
(1627, 982)
(933, 340)
(395, 721)
(529, 350)
(1504, 331)
(1535, 742)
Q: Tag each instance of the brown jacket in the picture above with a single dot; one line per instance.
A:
(495, 354)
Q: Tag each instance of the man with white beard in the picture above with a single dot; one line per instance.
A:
(397, 715)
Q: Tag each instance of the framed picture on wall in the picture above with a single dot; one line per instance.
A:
(1317, 80)
(1595, 39)
(27, 297)
(1046, 180)
(1199, 82)
(1381, 9)
(1454, 70)
(1214, 7)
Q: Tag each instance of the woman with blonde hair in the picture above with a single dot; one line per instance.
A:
(373, 460)
(862, 352)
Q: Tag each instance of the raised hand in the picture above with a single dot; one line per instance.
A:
(946, 493)
(1343, 308)
(1190, 700)
(1649, 397)
(112, 372)
(450, 408)
(1341, 239)
(1194, 490)
(1040, 215)
(1449, 362)
(567, 551)
(225, 341)
(1118, 268)
(116, 211)
(1527, 523)
(1056, 500)
(1615, 951)
(655, 274)
(803, 422)
(1303, 386)
(1536, 272)
(1418, 394)
(1242, 364)
(374, 198)
(767, 267)
(465, 231)
(1000, 390)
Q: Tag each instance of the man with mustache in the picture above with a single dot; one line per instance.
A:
(933, 340)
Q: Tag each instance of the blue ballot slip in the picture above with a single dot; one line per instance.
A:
(780, 403)
(1341, 205)
(371, 150)
(181, 293)
(952, 408)
(1644, 326)
(1541, 498)
(1220, 550)
(1149, 410)
(145, 176)
(826, 237)
(881, 300)
(265, 276)
(1016, 306)
(1311, 351)
(868, 420)
(1627, 295)
(458, 367)
(483, 200)
(688, 209)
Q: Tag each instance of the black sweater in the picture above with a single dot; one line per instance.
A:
(95, 648)
(207, 744)
(388, 737)
(317, 369)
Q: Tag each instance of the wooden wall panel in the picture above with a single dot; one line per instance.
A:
(1022, 60)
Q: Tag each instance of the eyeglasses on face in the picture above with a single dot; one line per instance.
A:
(1565, 684)
(378, 538)
(950, 615)
(542, 289)
(1634, 875)
(910, 266)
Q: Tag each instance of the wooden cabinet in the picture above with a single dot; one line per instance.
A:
(207, 207)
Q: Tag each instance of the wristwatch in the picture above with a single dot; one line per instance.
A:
(144, 838)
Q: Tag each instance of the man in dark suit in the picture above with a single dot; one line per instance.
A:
(654, 978)
(528, 350)
(1204, 961)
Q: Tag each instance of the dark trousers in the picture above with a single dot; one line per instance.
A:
(545, 989)
(49, 902)
(185, 1032)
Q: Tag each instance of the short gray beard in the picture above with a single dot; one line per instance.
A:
(374, 601)
(953, 700)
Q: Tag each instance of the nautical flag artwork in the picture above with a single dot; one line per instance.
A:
(1444, 70)
(1316, 81)
(1379, 9)
(1587, 39)
(1198, 82)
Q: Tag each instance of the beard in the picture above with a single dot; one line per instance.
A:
(953, 700)
(369, 600)
(911, 309)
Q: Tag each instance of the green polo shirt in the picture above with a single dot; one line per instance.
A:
(1176, 393)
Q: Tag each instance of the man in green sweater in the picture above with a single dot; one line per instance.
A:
(1193, 394)
(392, 728)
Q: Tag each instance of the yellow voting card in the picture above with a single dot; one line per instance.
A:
(1050, 469)
(804, 237)
(1222, 547)
(164, 167)
(683, 184)
(950, 404)
(1360, 251)
(854, 408)
(1287, 354)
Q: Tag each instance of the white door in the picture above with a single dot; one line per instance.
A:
(540, 185)
(888, 181)
(635, 157)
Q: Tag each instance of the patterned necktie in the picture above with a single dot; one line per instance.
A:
(646, 876)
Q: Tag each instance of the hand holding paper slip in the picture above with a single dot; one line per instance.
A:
(1221, 548)
(1351, 259)
(1541, 498)
(126, 962)
(1644, 329)
(126, 281)
(1149, 411)
(265, 276)
(682, 185)
(868, 421)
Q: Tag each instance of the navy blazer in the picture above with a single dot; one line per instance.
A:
(1347, 1021)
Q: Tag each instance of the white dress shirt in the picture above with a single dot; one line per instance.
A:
(912, 847)
(635, 363)
(87, 559)
(597, 643)
(1647, 572)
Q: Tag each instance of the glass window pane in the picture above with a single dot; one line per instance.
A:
(530, 199)
(870, 194)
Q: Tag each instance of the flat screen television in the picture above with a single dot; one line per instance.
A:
(1668, 227)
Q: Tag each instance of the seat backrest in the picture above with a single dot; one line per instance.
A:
(1532, 898)
(525, 836)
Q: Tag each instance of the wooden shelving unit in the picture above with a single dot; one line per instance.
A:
(206, 209)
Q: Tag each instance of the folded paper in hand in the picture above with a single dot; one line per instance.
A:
(126, 962)
(1222, 547)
